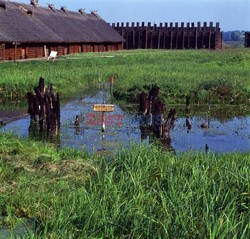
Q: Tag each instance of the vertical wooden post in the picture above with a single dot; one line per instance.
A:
(159, 39)
(147, 32)
(196, 34)
(164, 35)
(2, 52)
(164, 40)
(153, 34)
(188, 35)
(122, 32)
(210, 35)
(160, 36)
(15, 51)
(133, 35)
(176, 33)
(45, 51)
(143, 37)
(183, 35)
(193, 29)
(127, 35)
(217, 26)
(204, 31)
(138, 35)
(171, 35)
(218, 36)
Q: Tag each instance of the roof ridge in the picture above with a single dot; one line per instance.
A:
(43, 7)
(41, 24)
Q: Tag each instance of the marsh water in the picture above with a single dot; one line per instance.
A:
(229, 129)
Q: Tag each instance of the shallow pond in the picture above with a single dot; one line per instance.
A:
(225, 133)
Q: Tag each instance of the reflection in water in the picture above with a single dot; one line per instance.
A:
(223, 135)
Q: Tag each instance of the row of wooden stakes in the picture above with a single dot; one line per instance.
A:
(152, 110)
(44, 109)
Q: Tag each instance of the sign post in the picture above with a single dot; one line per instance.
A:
(103, 108)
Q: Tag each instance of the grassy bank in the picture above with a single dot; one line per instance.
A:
(224, 73)
(143, 193)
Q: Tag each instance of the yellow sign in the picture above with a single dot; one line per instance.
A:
(104, 108)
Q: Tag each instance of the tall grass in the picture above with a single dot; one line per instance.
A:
(141, 193)
(178, 73)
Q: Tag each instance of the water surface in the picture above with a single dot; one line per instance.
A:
(225, 133)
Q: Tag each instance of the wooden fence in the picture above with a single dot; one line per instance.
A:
(169, 35)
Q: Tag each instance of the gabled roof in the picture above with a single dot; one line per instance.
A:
(34, 24)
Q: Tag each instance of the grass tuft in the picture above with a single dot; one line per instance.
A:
(140, 193)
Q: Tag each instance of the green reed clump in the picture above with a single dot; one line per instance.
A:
(178, 73)
(147, 193)
(36, 178)
(182, 73)
(141, 193)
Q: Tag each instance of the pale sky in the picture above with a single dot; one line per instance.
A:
(232, 14)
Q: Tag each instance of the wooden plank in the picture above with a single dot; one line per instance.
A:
(159, 39)
(103, 108)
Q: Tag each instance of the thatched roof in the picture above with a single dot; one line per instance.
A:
(34, 24)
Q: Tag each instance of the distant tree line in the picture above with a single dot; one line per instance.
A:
(234, 36)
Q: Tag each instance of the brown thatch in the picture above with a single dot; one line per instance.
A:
(34, 24)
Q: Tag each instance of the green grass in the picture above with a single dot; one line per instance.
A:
(141, 193)
(224, 73)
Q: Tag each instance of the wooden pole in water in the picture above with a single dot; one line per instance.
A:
(44, 109)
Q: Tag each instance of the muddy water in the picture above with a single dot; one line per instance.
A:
(225, 134)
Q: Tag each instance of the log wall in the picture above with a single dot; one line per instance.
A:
(28, 51)
(2, 52)
(247, 39)
(170, 35)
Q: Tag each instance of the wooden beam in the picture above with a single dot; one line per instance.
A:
(103, 108)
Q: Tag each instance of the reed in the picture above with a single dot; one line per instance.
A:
(141, 193)
(223, 73)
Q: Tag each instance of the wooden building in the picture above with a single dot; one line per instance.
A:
(247, 39)
(170, 35)
(31, 31)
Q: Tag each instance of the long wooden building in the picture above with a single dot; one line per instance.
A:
(170, 35)
(31, 31)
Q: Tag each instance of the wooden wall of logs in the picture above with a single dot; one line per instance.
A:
(170, 35)
(44, 109)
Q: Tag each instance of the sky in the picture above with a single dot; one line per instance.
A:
(232, 14)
